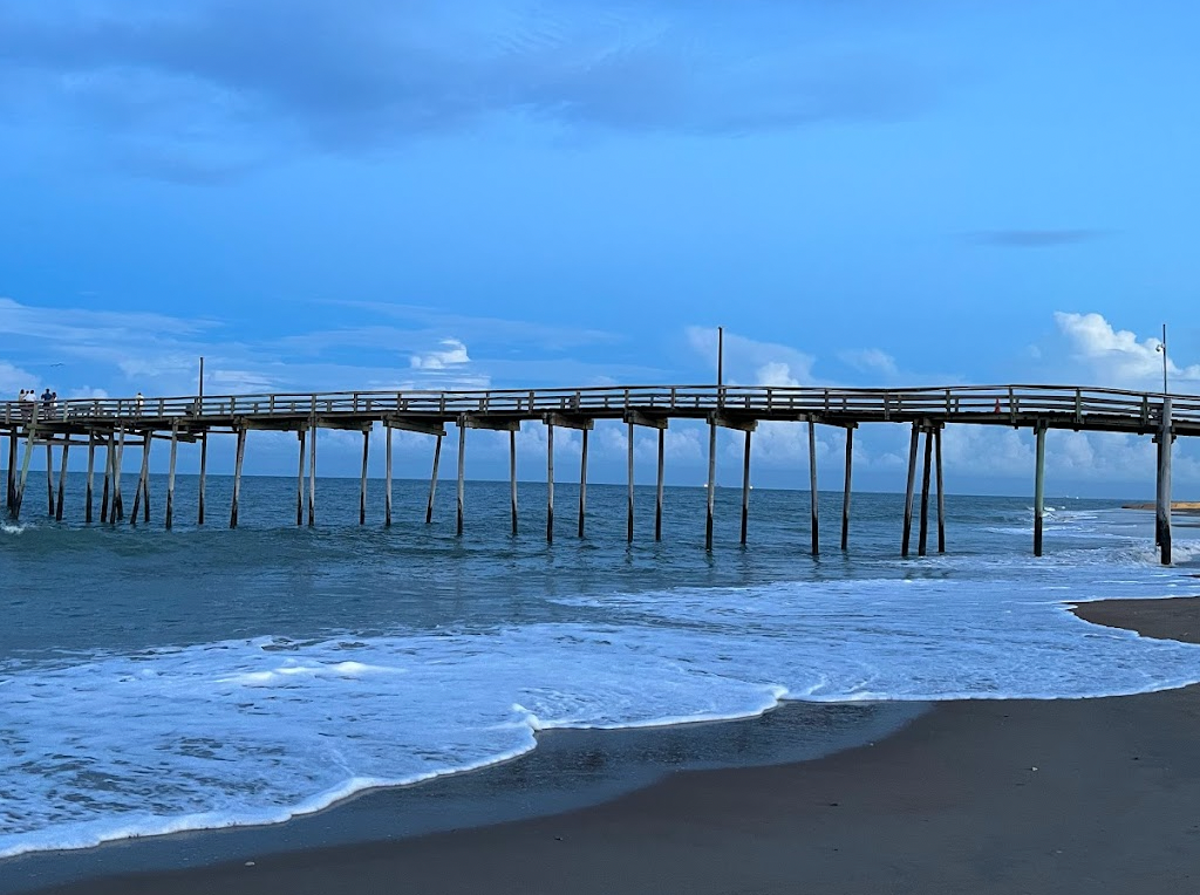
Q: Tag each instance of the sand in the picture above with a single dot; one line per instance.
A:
(1064, 796)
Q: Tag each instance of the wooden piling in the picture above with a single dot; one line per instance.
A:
(583, 481)
(117, 512)
(941, 491)
(25, 458)
(312, 473)
(142, 473)
(147, 437)
(812, 484)
(169, 516)
(203, 474)
(846, 487)
(908, 494)
(62, 479)
(237, 476)
(108, 466)
(658, 499)
(387, 501)
(301, 436)
(91, 476)
(1039, 489)
(1162, 514)
(462, 472)
(549, 483)
(746, 489)
(512, 478)
(50, 479)
(11, 492)
(629, 512)
(362, 491)
(433, 479)
(923, 535)
(712, 483)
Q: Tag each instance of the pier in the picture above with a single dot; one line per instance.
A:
(111, 425)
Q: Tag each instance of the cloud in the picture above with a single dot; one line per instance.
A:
(870, 360)
(209, 89)
(453, 353)
(1116, 357)
(750, 362)
(1034, 239)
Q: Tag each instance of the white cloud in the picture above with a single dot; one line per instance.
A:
(453, 353)
(1116, 357)
(750, 362)
(870, 360)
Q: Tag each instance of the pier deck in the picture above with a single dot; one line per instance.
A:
(111, 423)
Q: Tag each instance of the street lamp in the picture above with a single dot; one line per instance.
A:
(1162, 347)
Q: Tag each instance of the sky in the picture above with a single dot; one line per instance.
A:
(395, 194)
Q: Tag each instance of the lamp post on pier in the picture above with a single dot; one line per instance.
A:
(1162, 514)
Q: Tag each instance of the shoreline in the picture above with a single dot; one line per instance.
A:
(983, 796)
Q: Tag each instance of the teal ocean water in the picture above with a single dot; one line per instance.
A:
(155, 681)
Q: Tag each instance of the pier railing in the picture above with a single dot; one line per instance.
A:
(949, 402)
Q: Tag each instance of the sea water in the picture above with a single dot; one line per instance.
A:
(155, 681)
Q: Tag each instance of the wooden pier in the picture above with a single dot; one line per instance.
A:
(113, 424)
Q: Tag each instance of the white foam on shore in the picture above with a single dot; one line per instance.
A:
(257, 731)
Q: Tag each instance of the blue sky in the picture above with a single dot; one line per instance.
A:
(370, 194)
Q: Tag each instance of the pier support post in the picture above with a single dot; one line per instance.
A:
(312, 473)
(908, 494)
(301, 435)
(1039, 489)
(108, 466)
(169, 518)
(146, 439)
(362, 491)
(1162, 510)
(923, 536)
(512, 478)
(629, 503)
(846, 487)
(433, 479)
(117, 513)
(91, 477)
(49, 480)
(583, 481)
(237, 476)
(746, 488)
(658, 501)
(62, 479)
(203, 474)
(941, 492)
(549, 483)
(141, 493)
(462, 472)
(812, 484)
(25, 458)
(712, 483)
(11, 493)
(387, 500)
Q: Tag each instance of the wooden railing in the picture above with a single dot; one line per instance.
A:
(947, 402)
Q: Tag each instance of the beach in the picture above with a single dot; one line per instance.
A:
(986, 796)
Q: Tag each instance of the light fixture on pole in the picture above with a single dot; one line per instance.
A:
(1162, 347)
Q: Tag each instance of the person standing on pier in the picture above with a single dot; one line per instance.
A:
(139, 401)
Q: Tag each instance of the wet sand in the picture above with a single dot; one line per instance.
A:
(1065, 796)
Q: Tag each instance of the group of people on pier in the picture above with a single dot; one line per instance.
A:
(48, 399)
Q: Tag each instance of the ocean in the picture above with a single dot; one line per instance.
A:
(202, 678)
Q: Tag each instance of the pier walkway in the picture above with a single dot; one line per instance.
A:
(111, 424)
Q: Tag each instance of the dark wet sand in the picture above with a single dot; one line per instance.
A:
(1068, 796)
